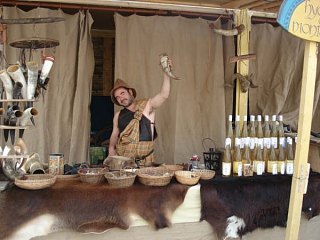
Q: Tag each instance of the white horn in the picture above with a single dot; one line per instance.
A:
(27, 114)
(17, 76)
(46, 68)
(32, 79)
(7, 83)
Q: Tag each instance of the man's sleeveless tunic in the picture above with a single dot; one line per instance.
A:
(135, 140)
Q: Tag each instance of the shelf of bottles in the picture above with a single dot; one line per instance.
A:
(258, 148)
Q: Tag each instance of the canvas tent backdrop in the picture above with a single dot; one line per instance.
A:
(198, 104)
(63, 122)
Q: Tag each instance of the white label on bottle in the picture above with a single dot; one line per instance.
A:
(267, 143)
(260, 142)
(252, 143)
(282, 141)
(263, 167)
(245, 141)
(282, 167)
(274, 168)
(226, 169)
(260, 167)
(239, 170)
(274, 142)
(289, 140)
(237, 142)
(289, 167)
(228, 141)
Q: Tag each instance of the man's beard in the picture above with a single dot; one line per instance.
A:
(127, 102)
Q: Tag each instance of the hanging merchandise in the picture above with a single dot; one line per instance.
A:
(23, 82)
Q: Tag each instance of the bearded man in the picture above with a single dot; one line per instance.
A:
(134, 129)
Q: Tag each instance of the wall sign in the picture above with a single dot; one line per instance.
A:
(301, 18)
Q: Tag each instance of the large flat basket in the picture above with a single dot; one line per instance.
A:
(154, 176)
(120, 179)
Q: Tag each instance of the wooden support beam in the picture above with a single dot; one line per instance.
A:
(236, 3)
(301, 168)
(242, 17)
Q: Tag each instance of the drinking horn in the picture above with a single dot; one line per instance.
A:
(16, 74)
(32, 67)
(27, 116)
(7, 83)
(46, 68)
(16, 92)
(164, 62)
(10, 119)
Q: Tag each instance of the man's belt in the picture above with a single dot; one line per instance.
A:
(139, 159)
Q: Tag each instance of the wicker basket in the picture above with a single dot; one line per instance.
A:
(92, 175)
(35, 181)
(154, 176)
(205, 174)
(120, 179)
(187, 177)
(173, 167)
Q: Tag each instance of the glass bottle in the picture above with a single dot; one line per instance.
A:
(259, 131)
(281, 160)
(244, 133)
(259, 163)
(281, 132)
(290, 157)
(266, 139)
(237, 163)
(252, 132)
(226, 163)
(274, 132)
(246, 162)
(266, 157)
(272, 163)
(237, 135)
(230, 129)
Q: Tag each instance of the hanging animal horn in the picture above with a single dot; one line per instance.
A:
(245, 82)
(230, 32)
(32, 67)
(7, 83)
(16, 73)
(46, 68)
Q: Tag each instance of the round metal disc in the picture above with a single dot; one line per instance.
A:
(35, 43)
(31, 20)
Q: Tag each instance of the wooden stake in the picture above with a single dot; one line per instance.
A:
(301, 168)
(244, 18)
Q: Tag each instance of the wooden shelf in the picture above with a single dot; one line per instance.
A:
(17, 100)
(13, 127)
(14, 156)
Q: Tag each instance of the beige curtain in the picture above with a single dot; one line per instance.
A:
(63, 122)
(278, 72)
(196, 107)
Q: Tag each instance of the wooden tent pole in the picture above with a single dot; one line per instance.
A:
(301, 168)
(242, 17)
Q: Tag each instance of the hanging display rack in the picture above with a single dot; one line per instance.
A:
(35, 43)
(31, 20)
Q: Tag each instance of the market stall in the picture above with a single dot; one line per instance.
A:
(226, 207)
